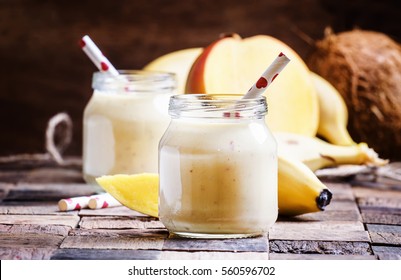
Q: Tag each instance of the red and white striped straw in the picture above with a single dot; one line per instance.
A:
(73, 203)
(97, 57)
(104, 200)
(267, 77)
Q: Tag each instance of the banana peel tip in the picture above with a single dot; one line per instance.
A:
(324, 199)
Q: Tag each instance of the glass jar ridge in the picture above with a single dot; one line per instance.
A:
(217, 106)
(134, 81)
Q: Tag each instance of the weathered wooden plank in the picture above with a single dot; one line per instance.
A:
(111, 222)
(35, 229)
(318, 225)
(257, 244)
(341, 191)
(373, 216)
(385, 238)
(20, 253)
(389, 183)
(331, 215)
(5, 228)
(112, 211)
(209, 255)
(71, 221)
(376, 183)
(323, 231)
(276, 256)
(32, 208)
(126, 233)
(30, 240)
(385, 234)
(383, 228)
(387, 252)
(320, 247)
(320, 235)
(365, 192)
(383, 202)
(394, 211)
(104, 254)
(48, 191)
(336, 211)
(112, 242)
(342, 205)
(115, 233)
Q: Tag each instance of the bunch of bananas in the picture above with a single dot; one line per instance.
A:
(300, 190)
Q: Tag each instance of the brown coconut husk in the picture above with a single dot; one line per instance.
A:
(365, 67)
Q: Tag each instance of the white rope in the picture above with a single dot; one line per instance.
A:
(59, 126)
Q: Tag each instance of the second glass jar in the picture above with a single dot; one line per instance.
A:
(218, 167)
(124, 121)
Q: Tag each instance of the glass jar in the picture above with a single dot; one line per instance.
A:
(218, 167)
(124, 121)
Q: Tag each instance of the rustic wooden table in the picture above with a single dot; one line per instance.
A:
(362, 222)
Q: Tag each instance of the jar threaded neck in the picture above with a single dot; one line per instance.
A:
(217, 106)
(134, 81)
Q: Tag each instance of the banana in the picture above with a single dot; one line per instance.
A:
(299, 190)
(333, 115)
(316, 153)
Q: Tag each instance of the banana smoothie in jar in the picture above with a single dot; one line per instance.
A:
(124, 121)
(218, 167)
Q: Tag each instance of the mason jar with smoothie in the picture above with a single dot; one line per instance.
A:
(217, 167)
(124, 121)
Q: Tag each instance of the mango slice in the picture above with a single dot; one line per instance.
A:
(139, 192)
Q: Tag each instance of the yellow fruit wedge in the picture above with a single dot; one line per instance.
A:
(177, 62)
(139, 192)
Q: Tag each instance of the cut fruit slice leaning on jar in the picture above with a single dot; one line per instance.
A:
(139, 192)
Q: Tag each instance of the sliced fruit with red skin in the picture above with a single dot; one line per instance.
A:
(232, 65)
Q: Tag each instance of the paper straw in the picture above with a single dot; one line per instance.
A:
(97, 201)
(267, 77)
(103, 201)
(97, 57)
(73, 203)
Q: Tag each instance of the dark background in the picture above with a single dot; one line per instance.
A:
(43, 71)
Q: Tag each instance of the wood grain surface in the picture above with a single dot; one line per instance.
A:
(361, 223)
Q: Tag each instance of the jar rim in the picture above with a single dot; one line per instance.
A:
(217, 105)
(216, 97)
(135, 81)
(135, 72)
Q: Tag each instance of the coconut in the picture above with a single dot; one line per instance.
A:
(365, 67)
